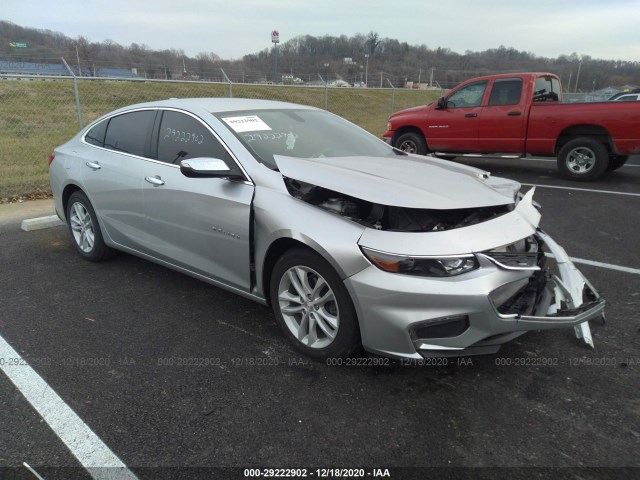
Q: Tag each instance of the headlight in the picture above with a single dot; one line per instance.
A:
(389, 126)
(421, 266)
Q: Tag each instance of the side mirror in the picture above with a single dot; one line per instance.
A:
(442, 103)
(209, 168)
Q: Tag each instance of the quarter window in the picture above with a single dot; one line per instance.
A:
(129, 132)
(506, 92)
(95, 136)
(182, 136)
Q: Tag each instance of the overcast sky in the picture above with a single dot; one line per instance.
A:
(606, 29)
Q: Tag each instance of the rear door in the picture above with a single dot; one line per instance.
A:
(455, 127)
(112, 174)
(200, 224)
(503, 118)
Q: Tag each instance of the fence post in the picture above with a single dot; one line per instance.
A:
(326, 91)
(75, 92)
(393, 97)
(229, 82)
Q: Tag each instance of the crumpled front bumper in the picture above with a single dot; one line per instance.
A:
(402, 316)
(574, 301)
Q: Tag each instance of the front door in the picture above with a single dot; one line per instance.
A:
(455, 127)
(200, 224)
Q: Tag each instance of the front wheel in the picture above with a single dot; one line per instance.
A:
(583, 159)
(85, 230)
(412, 142)
(313, 307)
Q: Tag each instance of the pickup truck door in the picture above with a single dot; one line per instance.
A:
(502, 120)
(454, 128)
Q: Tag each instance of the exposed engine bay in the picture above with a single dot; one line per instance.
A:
(392, 218)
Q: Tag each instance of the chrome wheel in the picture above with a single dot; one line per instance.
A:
(408, 146)
(308, 306)
(581, 160)
(82, 227)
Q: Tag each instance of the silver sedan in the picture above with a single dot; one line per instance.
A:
(352, 243)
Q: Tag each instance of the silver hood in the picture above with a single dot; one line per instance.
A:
(404, 181)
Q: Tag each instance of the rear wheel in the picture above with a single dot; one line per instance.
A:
(412, 142)
(85, 230)
(312, 306)
(617, 161)
(583, 159)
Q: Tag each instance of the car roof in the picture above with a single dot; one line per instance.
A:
(215, 105)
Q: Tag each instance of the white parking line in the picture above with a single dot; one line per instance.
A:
(593, 263)
(610, 266)
(629, 194)
(532, 159)
(84, 444)
(553, 160)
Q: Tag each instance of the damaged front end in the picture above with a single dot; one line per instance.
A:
(556, 295)
(437, 284)
(389, 217)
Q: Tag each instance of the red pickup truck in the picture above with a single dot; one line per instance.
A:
(520, 114)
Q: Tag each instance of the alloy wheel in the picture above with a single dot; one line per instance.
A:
(308, 306)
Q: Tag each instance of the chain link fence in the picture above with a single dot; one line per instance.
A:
(38, 113)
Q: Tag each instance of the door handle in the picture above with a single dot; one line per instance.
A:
(514, 114)
(93, 165)
(471, 115)
(156, 181)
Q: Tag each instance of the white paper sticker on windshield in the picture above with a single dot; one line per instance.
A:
(248, 123)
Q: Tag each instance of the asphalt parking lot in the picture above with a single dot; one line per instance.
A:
(179, 379)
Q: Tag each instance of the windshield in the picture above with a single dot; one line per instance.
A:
(301, 134)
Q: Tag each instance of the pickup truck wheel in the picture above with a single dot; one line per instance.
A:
(412, 142)
(617, 161)
(583, 159)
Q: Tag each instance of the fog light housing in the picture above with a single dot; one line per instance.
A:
(446, 327)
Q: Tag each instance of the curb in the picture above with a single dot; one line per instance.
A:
(40, 223)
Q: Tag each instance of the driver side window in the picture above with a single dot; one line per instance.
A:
(182, 137)
(469, 96)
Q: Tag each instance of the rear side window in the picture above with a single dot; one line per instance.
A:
(95, 136)
(182, 136)
(547, 89)
(129, 132)
(506, 91)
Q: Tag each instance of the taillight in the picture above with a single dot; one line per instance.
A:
(51, 158)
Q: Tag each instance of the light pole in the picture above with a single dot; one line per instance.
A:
(578, 76)
(326, 74)
(366, 71)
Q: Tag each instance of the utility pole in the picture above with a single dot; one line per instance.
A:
(431, 78)
(577, 76)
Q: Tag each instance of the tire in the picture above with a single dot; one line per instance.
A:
(412, 142)
(445, 157)
(583, 159)
(85, 230)
(313, 307)
(616, 161)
